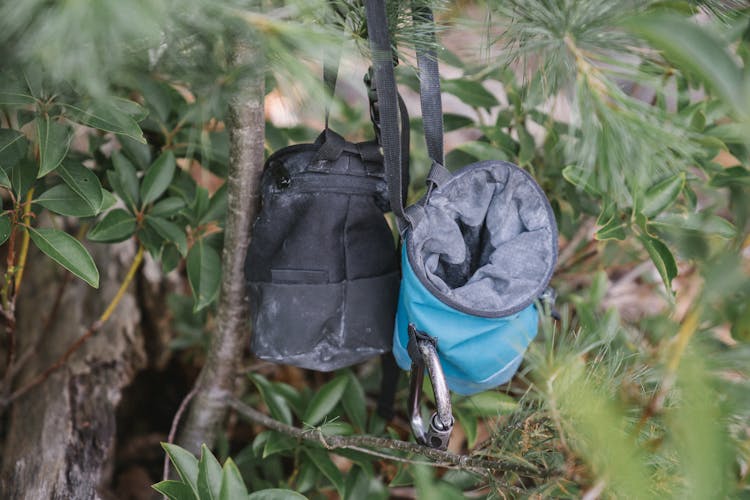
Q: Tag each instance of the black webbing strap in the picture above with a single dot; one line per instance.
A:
(429, 87)
(330, 74)
(385, 85)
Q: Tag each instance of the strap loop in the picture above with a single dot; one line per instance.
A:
(438, 176)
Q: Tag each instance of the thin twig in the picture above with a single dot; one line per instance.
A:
(95, 327)
(24, 252)
(175, 423)
(687, 329)
(584, 231)
(365, 444)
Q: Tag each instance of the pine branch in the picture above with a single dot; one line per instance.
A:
(370, 445)
(216, 380)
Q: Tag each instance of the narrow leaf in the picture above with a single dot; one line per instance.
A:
(107, 117)
(54, 140)
(126, 180)
(204, 273)
(353, 401)
(209, 475)
(157, 178)
(232, 485)
(662, 194)
(68, 252)
(175, 490)
(167, 207)
(22, 176)
(117, 225)
(276, 403)
(169, 231)
(662, 258)
(488, 403)
(62, 200)
(276, 443)
(614, 229)
(83, 181)
(13, 146)
(186, 465)
(275, 494)
(580, 178)
(324, 464)
(470, 92)
(325, 400)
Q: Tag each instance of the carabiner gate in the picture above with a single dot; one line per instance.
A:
(422, 350)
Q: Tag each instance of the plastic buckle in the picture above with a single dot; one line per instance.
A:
(423, 352)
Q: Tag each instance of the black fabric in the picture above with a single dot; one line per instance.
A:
(322, 267)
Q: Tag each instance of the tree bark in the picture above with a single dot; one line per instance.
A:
(247, 132)
(60, 435)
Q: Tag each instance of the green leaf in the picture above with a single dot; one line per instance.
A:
(325, 400)
(204, 273)
(109, 117)
(5, 227)
(54, 140)
(232, 485)
(276, 403)
(278, 442)
(169, 231)
(469, 424)
(217, 206)
(662, 194)
(186, 465)
(527, 147)
(130, 108)
(662, 258)
(470, 92)
(22, 176)
(62, 200)
(4, 179)
(580, 179)
(708, 224)
(124, 180)
(14, 98)
(482, 151)
(488, 404)
(117, 225)
(66, 251)
(175, 490)
(157, 178)
(275, 494)
(614, 229)
(13, 147)
(353, 401)
(693, 48)
(324, 464)
(167, 207)
(83, 182)
(209, 475)
(454, 122)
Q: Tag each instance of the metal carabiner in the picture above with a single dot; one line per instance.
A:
(422, 350)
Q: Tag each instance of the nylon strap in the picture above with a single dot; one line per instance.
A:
(385, 86)
(330, 75)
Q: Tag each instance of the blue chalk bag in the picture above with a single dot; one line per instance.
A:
(478, 250)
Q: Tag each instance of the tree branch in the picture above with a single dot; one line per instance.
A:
(247, 135)
(366, 444)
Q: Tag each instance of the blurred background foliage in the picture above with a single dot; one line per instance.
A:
(634, 116)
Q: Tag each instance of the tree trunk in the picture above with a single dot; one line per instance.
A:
(60, 435)
(246, 132)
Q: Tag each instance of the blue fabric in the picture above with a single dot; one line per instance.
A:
(476, 353)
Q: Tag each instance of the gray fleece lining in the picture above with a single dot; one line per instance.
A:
(487, 241)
